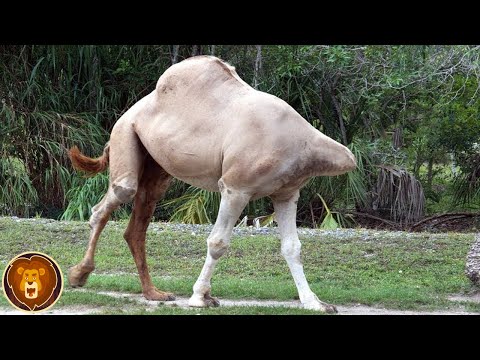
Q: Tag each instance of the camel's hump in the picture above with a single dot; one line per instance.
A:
(203, 59)
(198, 71)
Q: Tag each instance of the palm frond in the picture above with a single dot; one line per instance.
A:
(197, 206)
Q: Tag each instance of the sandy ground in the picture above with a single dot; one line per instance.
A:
(182, 302)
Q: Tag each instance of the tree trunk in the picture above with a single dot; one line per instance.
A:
(418, 163)
(194, 50)
(430, 174)
(397, 138)
(175, 54)
(212, 50)
(258, 65)
(472, 268)
(338, 110)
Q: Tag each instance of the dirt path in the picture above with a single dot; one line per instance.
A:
(182, 302)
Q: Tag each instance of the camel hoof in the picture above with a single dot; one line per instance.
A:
(157, 295)
(331, 309)
(203, 302)
(78, 275)
(321, 306)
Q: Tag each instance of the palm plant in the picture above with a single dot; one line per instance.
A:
(196, 206)
(466, 184)
(58, 96)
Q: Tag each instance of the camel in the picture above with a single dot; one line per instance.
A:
(207, 127)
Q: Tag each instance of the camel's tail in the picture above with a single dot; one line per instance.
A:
(88, 165)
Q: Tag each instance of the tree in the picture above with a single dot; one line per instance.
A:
(258, 65)
(175, 49)
(412, 107)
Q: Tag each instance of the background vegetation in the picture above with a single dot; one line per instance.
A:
(411, 114)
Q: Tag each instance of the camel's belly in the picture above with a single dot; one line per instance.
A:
(191, 169)
(205, 183)
(189, 165)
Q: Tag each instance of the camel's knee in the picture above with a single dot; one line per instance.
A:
(132, 237)
(127, 235)
(125, 189)
(291, 249)
(217, 246)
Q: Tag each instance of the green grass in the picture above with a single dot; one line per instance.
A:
(234, 310)
(77, 298)
(3, 302)
(395, 270)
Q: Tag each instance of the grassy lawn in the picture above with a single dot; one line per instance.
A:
(395, 270)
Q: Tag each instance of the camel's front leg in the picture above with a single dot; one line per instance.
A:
(285, 213)
(231, 206)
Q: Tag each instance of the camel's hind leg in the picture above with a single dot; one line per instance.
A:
(153, 185)
(78, 274)
(126, 163)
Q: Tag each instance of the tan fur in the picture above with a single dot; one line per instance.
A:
(204, 125)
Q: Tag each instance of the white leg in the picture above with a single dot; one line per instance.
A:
(285, 213)
(231, 206)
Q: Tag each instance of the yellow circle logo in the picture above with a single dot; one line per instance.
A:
(32, 282)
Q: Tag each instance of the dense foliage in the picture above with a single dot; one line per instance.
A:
(411, 114)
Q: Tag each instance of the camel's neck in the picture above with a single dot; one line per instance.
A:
(328, 157)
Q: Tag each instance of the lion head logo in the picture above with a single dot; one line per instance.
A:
(32, 282)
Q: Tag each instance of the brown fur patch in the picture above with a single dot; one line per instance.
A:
(264, 167)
